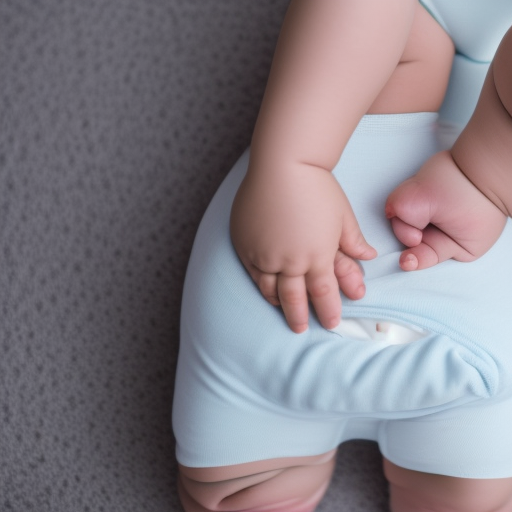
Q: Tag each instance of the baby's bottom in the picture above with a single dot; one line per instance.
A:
(297, 484)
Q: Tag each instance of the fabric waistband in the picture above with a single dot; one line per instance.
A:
(416, 121)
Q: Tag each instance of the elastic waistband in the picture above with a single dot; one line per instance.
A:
(416, 121)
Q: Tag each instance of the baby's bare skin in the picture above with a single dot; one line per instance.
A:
(456, 206)
(291, 224)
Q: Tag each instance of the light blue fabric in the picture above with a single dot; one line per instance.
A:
(476, 28)
(249, 389)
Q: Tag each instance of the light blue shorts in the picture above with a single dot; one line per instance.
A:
(249, 389)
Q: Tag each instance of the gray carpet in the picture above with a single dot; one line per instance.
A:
(118, 120)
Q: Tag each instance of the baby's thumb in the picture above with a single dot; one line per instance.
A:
(434, 248)
(352, 241)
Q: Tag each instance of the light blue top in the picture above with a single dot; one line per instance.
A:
(476, 28)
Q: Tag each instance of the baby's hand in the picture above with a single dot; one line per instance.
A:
(439, 214)
(296, 234)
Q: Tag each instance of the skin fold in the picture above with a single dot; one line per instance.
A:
(335, 61)
(456, 206)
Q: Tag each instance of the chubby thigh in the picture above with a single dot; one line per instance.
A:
(293, 484)
(411, 491)
(298, 484)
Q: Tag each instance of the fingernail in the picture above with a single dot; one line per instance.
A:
(409, 262)
(301, 328)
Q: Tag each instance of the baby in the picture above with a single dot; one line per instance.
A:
(260, 409)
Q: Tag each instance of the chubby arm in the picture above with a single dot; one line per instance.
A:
(291, 224)
(484, 149)
(457, 204)
(332, 60)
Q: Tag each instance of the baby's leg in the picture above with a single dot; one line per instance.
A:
(295, 484)
(414, 491)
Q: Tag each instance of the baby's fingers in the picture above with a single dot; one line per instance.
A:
(324, 293)
(419, 257)
(322, 290)
(405, 233)
(294, 301)
(411, 204)
(434, 248)
(352, 241)
(267, 283)
(349, 276)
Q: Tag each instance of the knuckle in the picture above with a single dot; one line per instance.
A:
(292, 297)
(270, 295)
(292, 291)
(265, 263)
(345, 266)
(317, 290)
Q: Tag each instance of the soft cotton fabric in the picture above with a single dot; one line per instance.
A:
(250, 389)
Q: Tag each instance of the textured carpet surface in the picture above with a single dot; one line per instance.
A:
(118, 120)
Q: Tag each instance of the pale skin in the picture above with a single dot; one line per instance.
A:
(456, 206)
(457, 214)
(296, 234)
(291, 223)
